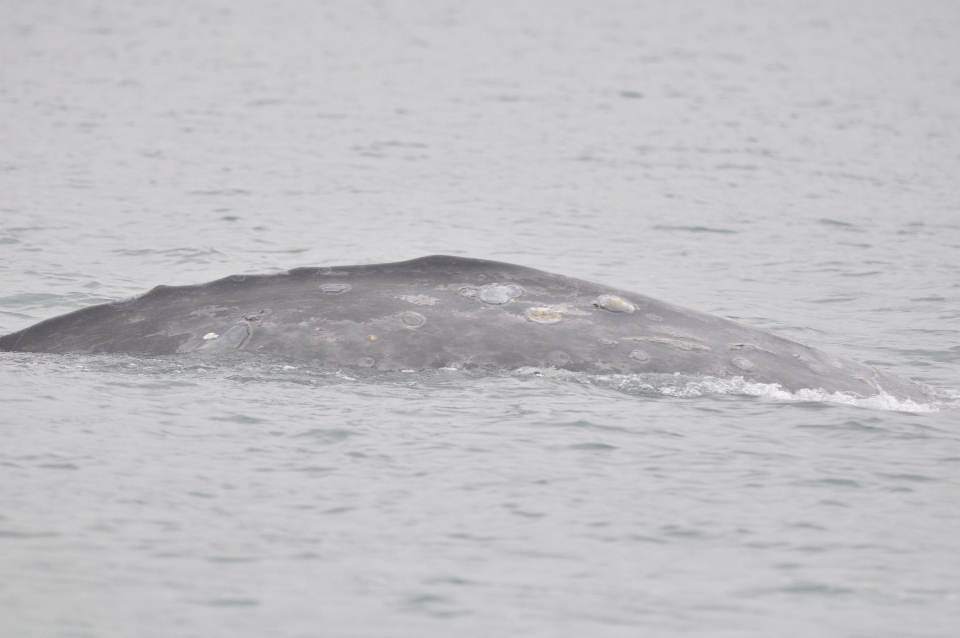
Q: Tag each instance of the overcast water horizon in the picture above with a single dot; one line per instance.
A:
(792, 166)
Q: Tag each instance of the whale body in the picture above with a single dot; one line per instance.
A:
(450, 312)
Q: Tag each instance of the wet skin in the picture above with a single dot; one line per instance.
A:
(449, 312)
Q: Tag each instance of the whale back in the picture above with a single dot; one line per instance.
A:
(448, 312)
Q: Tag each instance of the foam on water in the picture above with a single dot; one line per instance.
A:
(678, 385)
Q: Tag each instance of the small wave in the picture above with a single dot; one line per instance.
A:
(738, 385)
(678, 385)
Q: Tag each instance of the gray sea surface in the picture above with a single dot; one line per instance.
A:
(791, 165)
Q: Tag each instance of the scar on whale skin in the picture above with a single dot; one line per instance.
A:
(334, 289)
(412, 319)
(230, 339)
(493, 293)
(544, 315)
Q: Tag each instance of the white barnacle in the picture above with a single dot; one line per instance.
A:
(611, 303)
(544, 315)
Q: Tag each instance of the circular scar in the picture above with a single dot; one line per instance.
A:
(640, 355)
(614, 304)
(412, 319)
(744, 364)
(498, 295)
(544, 315)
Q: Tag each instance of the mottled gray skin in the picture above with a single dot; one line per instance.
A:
(455, 312)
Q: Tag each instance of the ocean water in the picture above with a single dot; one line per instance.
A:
(790, 165)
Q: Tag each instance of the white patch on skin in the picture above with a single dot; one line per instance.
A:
(614, 304)
(211, 335)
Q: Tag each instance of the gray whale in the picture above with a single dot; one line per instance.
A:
(450, 312)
